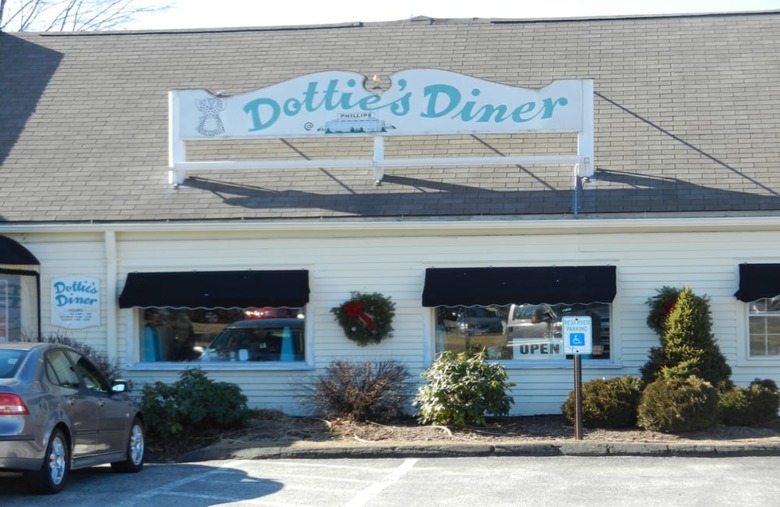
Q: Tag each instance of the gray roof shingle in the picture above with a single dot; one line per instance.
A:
(686, 112)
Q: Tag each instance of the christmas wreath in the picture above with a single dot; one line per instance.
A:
(661, 305)
(366, 318)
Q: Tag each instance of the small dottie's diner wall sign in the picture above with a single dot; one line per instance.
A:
(75, 302)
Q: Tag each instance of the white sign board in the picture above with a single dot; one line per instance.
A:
(577, 335)
(419, 101)
(75, 302)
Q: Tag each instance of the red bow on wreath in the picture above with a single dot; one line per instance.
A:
(354, 309)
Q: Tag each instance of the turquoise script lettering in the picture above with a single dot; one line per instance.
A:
(63, 300)
(78, 286)
(446, 100)
(65, 294)
(264, 112)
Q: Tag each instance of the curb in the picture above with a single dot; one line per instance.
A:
(539, 449)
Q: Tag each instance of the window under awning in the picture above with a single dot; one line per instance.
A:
(503, 286)
(216, 289)
(757, 281)
(14, 254)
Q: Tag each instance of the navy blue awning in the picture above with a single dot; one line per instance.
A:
(13, 253)
(216, 289)
(503, 286)
(757, 281)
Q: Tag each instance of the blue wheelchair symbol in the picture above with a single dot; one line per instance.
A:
(576, 339)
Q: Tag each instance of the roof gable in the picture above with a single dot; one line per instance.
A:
(685, 119)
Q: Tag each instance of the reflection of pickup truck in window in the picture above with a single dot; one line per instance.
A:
(533, 321)
(478, 320)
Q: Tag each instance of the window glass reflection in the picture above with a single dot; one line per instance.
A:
(519, 331)
(216, 334)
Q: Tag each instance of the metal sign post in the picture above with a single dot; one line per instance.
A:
(578, 396)
(577, 340)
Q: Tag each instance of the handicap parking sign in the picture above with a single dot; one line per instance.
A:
(577, 335)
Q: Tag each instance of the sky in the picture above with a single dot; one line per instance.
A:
(243, 13)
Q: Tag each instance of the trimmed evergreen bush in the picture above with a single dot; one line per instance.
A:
(678, 405)
(750, 406)
(360, 391)
(194, 404)
(462, 389)
(688, 346)
(606, 402)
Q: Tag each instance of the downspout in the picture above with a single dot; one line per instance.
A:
(576, 187)
(112, 346)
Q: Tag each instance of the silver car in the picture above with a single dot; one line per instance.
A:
(59, 413)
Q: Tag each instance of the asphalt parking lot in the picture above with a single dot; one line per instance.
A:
(408, 482)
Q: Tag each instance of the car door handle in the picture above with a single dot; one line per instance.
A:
(71, 401)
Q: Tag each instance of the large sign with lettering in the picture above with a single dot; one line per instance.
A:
(423, 101)
(75, 302)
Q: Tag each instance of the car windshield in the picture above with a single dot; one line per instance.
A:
(10, 359)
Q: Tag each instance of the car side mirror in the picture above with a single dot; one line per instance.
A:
(121, 386)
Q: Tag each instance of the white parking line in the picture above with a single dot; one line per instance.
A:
(372, 491)
(144, 498)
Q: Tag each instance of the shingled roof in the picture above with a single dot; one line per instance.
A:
(686, 118)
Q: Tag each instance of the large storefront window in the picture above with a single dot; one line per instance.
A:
(764, 325)
(517, 313)
(246, 317)
(209, 335)
(518, 331)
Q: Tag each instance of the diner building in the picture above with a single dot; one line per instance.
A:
(496, 180)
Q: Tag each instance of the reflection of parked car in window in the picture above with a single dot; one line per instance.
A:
(257, 340)
(479, 320)
(532, 321)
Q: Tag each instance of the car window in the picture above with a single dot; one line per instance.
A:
(93, 379)
(524, 312)
(60, 371)
(9, 362)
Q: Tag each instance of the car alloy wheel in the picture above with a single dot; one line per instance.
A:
(53, 474)
(134, 454)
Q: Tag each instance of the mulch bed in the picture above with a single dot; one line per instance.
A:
(275, 429)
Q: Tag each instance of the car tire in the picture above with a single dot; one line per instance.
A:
(53, 475)
(134, 452)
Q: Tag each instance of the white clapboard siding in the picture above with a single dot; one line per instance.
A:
(64, 255)
(393, 262)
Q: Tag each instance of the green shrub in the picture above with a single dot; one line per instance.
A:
(688, 346)
(750, 406)
(462, 389)
(360, 391)
(678, 405)
(606, 402)
(192, 405)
